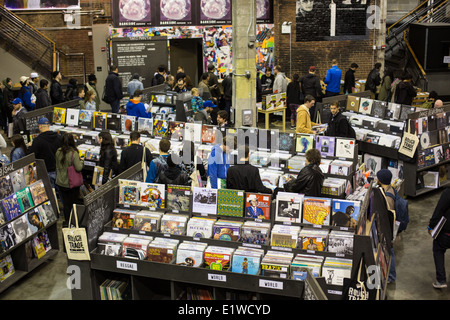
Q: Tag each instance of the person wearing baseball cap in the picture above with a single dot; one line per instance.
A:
(18, 116)
(34, 83)
(25, 94)
(44, 147)
(204, 115)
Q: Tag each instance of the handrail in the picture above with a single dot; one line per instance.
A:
(406, 15)
(413, 54)
(432, 11)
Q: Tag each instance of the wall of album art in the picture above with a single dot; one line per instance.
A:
(41, 4)
(327, 20)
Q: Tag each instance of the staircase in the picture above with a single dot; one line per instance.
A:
(36, 50)
(399, 56)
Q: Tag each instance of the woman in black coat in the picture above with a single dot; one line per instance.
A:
(108, 156)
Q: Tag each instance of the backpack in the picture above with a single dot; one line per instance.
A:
(401, 210)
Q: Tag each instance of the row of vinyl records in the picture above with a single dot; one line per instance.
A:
(245, 260)
(289, 207)
(112, 289)
(37, 247)
(379, 109)
(261, 139)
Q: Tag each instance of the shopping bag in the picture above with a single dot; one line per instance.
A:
(409, 143)
(75, 177)
(196, 180)
(75, 239)
(356, 288)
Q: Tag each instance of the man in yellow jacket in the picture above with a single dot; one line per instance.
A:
(304, 123)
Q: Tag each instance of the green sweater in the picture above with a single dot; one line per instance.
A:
(62, 177)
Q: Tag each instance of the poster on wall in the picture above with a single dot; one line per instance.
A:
(177, 12)
(132, 13)
(41, 4)
(327, 20)
(215, 12)
(264, 11)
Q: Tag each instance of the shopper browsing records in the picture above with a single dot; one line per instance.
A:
(280, 83)
(442, 242)
(44, 147)
(384, 179)
(405, 92)
(113, 89)
(222, 119)
(92, 85)
(19, 149)
(66, 156)
(204, 115)
(134, 153)
(56, 92)
(158, 164)
(244, 176)
(197, 101)
(386, 84)
(18, 116)
(213, 82)
(189, 157)
(28, 100)
(374, 80)
(136, 108)
(338, 126)
(108, 156)
(170, 82)
(349, 79)
(333, 80)
(160, 76)
(310, 84)
(227, 85)
(310, 179)
(219, 162)
(89, 101)
(267, 80)
(134, 84)
(304, 123)
(174, 174)
(71, 90)
(180, 86)
(293, 98)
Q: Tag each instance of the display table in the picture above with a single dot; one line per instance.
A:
(268, 112)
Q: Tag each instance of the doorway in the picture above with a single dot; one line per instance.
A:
(187, 53)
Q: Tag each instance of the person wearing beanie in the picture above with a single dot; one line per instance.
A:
(134, 84)
(92, 85)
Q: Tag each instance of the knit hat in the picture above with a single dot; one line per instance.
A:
(384, 176)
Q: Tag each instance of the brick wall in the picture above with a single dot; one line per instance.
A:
(317, 53)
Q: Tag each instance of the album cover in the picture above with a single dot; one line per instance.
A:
(289, 207)
(446, 151)
(374, 163)
(340, 242)
(424, 141)
(245, 263)
(441, 120)
(24, 199)
(129, 192)
(345, 213)
(128, 123)
(99, 120)
(443, 136)
(175, 130)
(178, 198)
(286, 142)
(47, 214)
(326, 145)
(11, 207)
(230, 203)
(393, 111)
(152, 195)
(18, 180)
(405, 111)
(114, 122)
(6, 268)
(147, 221)
(145, 124)
(208, 134)
(353, 103)
(429, 157)
(438, 154)
(257, 205)
(38, 192)
(21, 229)
(379, 109)
(345, 148)
(365, 106)
(304, 143)
(160, 128)
(72, 117)
(432, 123)
(158, 252)
(85, 119)
(6, 187)
(313, 240)
(193, 132)
(204, 200)
(123, 218)
(34, 221)
(316, 211)
(59, 115)
(7, 238)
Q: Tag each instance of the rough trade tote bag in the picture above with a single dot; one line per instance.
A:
(409, 143)
(75, 240)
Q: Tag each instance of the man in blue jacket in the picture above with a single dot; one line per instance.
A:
(333, 80)
(25, 94)
(136, 108)
(158, 164)
(219, 162)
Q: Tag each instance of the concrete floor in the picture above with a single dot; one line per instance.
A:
(413, 253)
